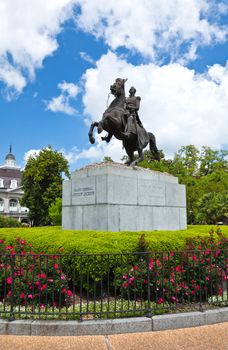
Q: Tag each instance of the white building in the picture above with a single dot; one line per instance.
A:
(11, 190)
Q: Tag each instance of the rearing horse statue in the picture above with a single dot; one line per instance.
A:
(122, 121)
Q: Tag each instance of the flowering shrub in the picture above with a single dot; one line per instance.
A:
(189, 276)
(31, 279)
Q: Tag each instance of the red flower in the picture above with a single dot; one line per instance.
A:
(69, 293)
(160, 300)
(22, 295)
(125, 285)
(1, 240)
(44, 286)
(56, 266)
(9, 280)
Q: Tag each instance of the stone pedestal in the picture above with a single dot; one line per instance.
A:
(113, 197)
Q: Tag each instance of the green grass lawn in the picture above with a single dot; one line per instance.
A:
(51, 239)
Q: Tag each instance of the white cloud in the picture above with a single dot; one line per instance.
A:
(29, 30)
(153, 27)
(31, 153)
(179, 106)
(94, 154)
(86, 57)
(28, 35)
(61, 103)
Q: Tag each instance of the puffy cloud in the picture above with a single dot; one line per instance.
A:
(94, 154)
(61, 103)
(153, 27)
(31, 153)
(178, 105)
(29, 30)
(28, 34)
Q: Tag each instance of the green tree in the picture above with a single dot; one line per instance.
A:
(107, 159)
(42, 183)
(205, 174)
(55, 212)
(212, 208)
(212, 160)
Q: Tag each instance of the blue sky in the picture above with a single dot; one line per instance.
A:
(58, 59)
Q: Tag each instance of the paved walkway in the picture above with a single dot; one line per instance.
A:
(213, 337)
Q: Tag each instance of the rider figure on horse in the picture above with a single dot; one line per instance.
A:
(133, 124)
(132, 104)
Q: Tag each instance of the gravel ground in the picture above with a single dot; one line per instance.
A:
(213, 337)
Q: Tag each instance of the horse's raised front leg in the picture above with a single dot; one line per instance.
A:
(91, 138)
(107, 138)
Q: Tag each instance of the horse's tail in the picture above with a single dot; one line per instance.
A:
(153, 146)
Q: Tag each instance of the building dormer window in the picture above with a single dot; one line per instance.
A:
(1, 183)
(1, 204)
(13, 204)
(13, 183)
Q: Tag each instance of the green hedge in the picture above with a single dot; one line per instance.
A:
(54, 239)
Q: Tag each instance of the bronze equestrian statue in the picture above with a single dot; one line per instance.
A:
(121, 120)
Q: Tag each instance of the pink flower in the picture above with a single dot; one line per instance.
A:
(56, 266)
(173, 299)
(63, 277)
(1, 240)
(30, 296)
(9, 280)
(69, 293)
(131, 280)
(9, 247)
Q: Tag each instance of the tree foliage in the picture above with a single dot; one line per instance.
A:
(42, 183)
(55, 212)
(205, 174)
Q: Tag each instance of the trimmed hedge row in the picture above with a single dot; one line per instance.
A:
(55, 240)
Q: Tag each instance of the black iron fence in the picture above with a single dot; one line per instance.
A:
(110, 285)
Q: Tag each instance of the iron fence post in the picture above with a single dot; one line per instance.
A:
(148, 311)
(11, 318)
